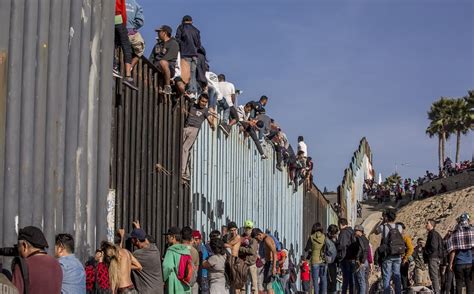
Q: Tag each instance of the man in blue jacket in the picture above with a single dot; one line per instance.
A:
(135, 20)
(189, 39)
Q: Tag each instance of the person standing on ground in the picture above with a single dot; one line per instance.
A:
(202, 277)
(187, 240)
(233, 242)
(271, 257)
(421, 270)
(216, 267)
(198, 112)
(74, 275)
(362, 265)
(149, 279)
(345, 241)
(315, 245)
(305, 275)
(248, 251)
(460, 246)
(406, 257)
(391, 249)
(171, 262)
(332, 265)
(189, 39)
(44, 272)
(434, 254)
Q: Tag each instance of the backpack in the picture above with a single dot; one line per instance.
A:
(186, 272)
(330, 251)
(235, 272)
(395, 245)
(277, 243)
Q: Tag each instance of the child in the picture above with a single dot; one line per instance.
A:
(305, 275)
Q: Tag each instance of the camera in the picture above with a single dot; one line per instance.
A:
(9, 251)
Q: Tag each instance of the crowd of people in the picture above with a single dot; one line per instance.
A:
(449, 169)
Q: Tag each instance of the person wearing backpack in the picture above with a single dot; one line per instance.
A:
(331, 239)
(346, 255)
(362, 264)
(315, 246)
(391, 249)
(187, 239)
(177, 265)
(434, 254)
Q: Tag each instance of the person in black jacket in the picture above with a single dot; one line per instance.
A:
(189, 39)
(346, 255)
(361, 261)
(434, 254)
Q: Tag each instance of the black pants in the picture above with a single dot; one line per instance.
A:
(248, 128)
(463, 274)
(332, 277)
(121, 40)
(404, 274)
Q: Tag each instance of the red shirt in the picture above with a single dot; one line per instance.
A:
(120, 9)
(304, 271)
(45, 275)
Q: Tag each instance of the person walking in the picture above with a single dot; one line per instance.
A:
(345, 242)
(331, 239)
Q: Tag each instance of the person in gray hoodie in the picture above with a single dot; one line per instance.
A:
(315, 245)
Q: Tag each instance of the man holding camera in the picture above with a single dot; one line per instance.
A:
(34, 268)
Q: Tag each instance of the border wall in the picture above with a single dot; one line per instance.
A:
(55, 97)
(352, 187)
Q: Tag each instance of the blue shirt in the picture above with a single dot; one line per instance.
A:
(135, 18)
(463, 257)
(74, 275)
(205, 256)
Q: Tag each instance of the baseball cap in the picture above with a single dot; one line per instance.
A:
(197, 235)
(165, 28)
(34, 236)
(359, 228)
(248, 224)
(173, 231)
(138, 234)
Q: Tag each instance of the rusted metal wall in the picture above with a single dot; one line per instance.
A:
(55, 113)
(316, 208)
(146, 131)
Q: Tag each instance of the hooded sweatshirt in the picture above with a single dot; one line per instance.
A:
(317, 245)
(170, 269)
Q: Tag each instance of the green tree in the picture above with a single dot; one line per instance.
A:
(393, 180)
(439, 125)
(459, 121)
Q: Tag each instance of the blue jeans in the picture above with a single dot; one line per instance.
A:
(391, 266)
(348, 268)
(360, 276)
(192, 86)
(319, 270)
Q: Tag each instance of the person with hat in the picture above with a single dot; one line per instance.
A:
(74, 275)
(460, 246)
(172, 260)
(189, 39)
(248, 251)
(362, 264)
(164, 55)
(34, 269)
(149, 279)
(202, 278)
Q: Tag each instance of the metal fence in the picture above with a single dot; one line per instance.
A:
(146, 157)
(55, 97)
(316, 208)
(351, 189)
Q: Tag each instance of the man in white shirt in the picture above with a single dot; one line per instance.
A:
(227, 91)
(302, 146)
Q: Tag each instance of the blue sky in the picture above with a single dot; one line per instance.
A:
(336, 71)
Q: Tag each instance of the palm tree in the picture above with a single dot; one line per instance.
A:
(393, 179)
(438, 116)
(459, 121)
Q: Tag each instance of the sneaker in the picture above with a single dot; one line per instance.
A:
(167, 90)
(225, 129)
(116, 73)
(129, 82)
(264, 156)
